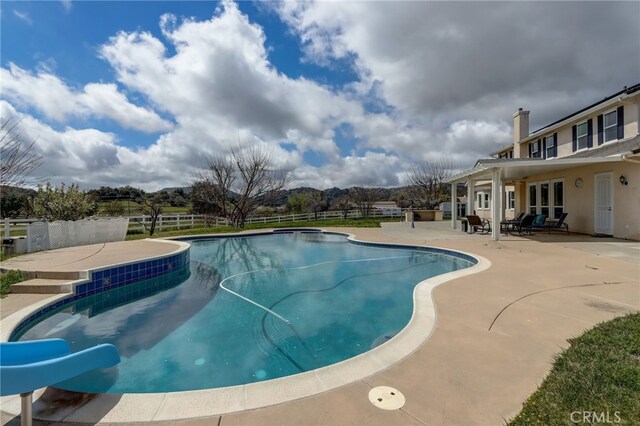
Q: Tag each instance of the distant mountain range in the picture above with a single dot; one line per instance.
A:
(386, 194)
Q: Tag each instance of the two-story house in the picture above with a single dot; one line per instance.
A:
(586, 164)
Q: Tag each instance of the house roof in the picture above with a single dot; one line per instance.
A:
(624, 146)
(522, 168)
(505, 148)
(625, 91)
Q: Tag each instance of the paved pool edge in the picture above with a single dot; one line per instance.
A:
(175, 406)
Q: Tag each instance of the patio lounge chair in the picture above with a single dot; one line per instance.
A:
(506, 224)
(555, 225)
(538, 222)
(524, 226)
(476, 224)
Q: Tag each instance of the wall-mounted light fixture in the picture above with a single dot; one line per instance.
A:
(623, 180)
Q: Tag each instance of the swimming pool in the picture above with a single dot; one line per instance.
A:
(248, 309)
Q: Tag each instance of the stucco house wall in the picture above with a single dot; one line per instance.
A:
(579, 202)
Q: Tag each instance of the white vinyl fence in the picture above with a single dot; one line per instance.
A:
(59, 234)
(13, 227)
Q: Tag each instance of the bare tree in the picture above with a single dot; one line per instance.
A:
(202, 202)
(315, 202)
(240, 182)
(342, 204)
(364, 199)
(427, 179)
(17, 158)
(151, 205)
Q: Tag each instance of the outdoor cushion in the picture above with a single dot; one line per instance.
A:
(539, 220)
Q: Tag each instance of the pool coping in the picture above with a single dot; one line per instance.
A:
(11, 322)
(172, 406)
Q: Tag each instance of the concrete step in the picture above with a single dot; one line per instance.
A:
(43, 286)
(57, 275)
(53, 275)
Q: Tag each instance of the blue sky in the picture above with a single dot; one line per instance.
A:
(342, 93)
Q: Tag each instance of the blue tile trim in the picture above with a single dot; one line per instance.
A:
(109, 278)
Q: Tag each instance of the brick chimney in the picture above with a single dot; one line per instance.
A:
(520, 130)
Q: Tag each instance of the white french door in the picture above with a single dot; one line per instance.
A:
(603, 219)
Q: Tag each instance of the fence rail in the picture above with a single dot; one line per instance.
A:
(17, 227)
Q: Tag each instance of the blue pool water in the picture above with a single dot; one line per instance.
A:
(246, 310)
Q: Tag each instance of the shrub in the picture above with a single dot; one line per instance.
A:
(8, 279)
(51, 203)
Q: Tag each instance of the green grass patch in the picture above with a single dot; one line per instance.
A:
(7, 279)
(4, 256)
(357, 223)
(596, 378)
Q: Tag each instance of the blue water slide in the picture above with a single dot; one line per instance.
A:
(27, 366)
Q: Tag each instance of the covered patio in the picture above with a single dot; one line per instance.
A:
(503, 172)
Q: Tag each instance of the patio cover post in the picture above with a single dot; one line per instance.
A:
(454, 205)
(471, 195)
(495, 204)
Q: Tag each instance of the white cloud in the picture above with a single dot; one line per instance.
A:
(52, 97)
(67, 5)
(447, 60)
(23, 16)
(442, 83)
(221, 70)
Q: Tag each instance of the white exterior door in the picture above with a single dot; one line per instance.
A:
(603, 204)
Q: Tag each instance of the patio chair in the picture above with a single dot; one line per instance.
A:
(506, 224)
(539, 222)
(524, 226)
(559, 225)
(476, 224)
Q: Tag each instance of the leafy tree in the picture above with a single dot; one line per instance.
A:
(296, 202)
(51, 203)
(240, 182)
(107, 193)
(364, 198)
(14, 202)
(428, 182)
(177, 200)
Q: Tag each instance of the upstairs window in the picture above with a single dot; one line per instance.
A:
(550, 146)
(535, 153)
(611, 126)
(582, 135)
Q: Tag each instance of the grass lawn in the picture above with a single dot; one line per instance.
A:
(597, 378)
(359, 223)
(7, 279)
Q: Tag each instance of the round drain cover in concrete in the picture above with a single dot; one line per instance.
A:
(386, 398)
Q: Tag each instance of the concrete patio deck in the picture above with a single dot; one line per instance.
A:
(495, 337)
